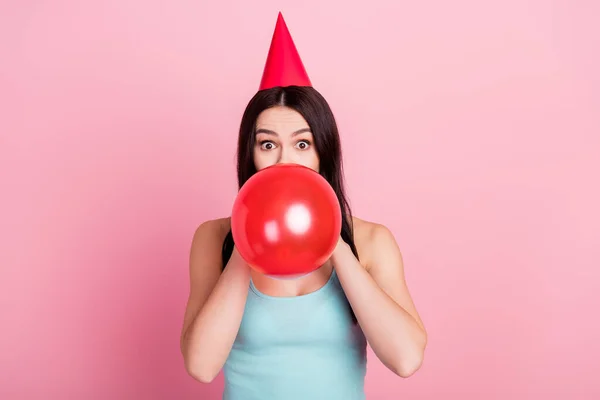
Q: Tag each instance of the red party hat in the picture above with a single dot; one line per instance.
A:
(284, 66)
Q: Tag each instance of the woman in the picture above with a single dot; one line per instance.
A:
(304, 338)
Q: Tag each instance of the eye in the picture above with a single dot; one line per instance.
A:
(267, 145)
(303, 144)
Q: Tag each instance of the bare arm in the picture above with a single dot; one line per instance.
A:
(215, 305)
(382, 303)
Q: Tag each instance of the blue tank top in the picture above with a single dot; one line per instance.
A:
(297, 348)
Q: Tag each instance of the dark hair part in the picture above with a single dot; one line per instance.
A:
(314, 108)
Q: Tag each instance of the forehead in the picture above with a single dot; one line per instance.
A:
(282, 120)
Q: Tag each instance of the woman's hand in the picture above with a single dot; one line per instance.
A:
(341, 248)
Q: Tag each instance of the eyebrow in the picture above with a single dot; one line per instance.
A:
(270, 132)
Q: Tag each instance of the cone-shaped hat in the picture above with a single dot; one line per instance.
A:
(284, 66)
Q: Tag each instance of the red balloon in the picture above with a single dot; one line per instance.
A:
(286, 220)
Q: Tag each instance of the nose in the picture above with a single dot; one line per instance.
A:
(285, 157)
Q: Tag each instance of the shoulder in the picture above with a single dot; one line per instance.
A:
(211, 232)
(206, 247)
(374, 241)
(371, 234)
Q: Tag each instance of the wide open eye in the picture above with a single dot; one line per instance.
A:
(267, 145)
(303, 145)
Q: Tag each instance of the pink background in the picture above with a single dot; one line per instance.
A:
(470, 128)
